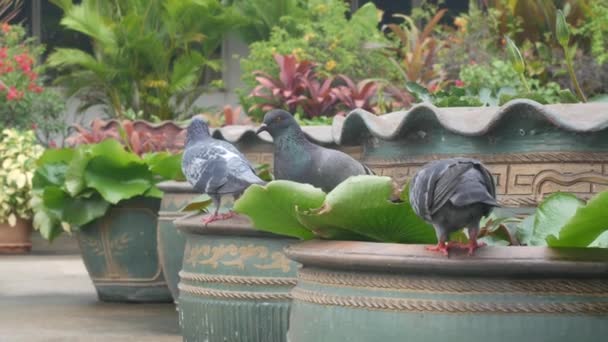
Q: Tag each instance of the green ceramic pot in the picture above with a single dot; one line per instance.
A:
(171, 241)
(119, 252)
(235, 282)
(361, 291)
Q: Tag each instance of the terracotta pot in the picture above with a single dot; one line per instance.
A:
(235, 282)
(16, 239)
(362, 291)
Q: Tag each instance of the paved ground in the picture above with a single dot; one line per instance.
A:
(49, 297)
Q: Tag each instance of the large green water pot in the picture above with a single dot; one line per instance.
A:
(235, 282)
(119, 252)
(361, 292)
(171, 242)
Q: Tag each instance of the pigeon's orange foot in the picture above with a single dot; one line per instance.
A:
(471, 246)
(218, 217)
(228, 215)
(441, 247)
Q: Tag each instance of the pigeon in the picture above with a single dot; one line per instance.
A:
(215, 167)
(299, 160)
(452, 194)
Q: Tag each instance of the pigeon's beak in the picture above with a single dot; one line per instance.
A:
(262, 128)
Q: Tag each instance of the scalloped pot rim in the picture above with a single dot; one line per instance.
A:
(467, 121)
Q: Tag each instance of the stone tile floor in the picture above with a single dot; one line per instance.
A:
(49, 297)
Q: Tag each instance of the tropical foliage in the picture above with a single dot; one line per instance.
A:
(360, 208)
(74, 186)
(18, 153)
(23, 99)
(148, 55)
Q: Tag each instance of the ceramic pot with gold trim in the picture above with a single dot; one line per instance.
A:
(235, 282)
(171, 242)
(120, 254)
(362, 291)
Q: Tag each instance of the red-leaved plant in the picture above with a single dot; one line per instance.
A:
(319, 99)
(356, 95)
(139, 139)
(286, 90)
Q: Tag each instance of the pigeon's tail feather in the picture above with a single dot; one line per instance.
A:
(368, 170)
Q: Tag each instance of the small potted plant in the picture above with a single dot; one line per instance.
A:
(104, 189)
(18, 153)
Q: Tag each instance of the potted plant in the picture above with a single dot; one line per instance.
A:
(105, 191)
(232, 270)
(160, 69)
(368, 274)
(18, 153)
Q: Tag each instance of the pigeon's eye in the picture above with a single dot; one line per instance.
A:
(278, 119)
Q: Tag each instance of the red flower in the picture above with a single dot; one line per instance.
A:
(433, 88)
(13, 94)
(3, 52)
(35, 88)
(6, 27)
(459, 83)
(52, 144)
(34, 127)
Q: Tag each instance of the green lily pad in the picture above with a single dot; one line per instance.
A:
(199, 203)
(552, 214)
(362, 205)
(272, 207)
(585, 226)
(117, 174)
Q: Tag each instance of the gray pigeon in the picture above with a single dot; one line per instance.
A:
(452, 194)
(299, 160)
(215, 167)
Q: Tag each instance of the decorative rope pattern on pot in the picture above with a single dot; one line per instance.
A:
(591, 287)
(240, 280)
(424, 305)
(198, 291)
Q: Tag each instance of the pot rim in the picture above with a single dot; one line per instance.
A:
(238, 225)
(175, 187)
(495, 261)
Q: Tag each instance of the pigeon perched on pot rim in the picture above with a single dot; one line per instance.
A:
(215, 167)
(299, 160)
(452, 194)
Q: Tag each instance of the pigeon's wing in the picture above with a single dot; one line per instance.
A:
(331, 167)
(476, 186)
(230, 148)
(447, 183)
(206, 167)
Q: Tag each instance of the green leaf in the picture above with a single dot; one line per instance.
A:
(585, 226)
(525, 230)
(516, 58)
(419, 91)
(561, 29)
(60, 206)
(199, 203)
(117, 174)
(601, 241)
(166, 165)
(59, 155)
(272, 207)
(552, 214)
(74, 174)
(49, 228)
(362, 205)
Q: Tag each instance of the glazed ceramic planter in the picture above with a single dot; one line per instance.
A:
(171, 241)
(16, 240)
(235, 282)
(361, 291)
(119, 252)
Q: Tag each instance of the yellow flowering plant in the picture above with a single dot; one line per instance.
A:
(18, 153)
